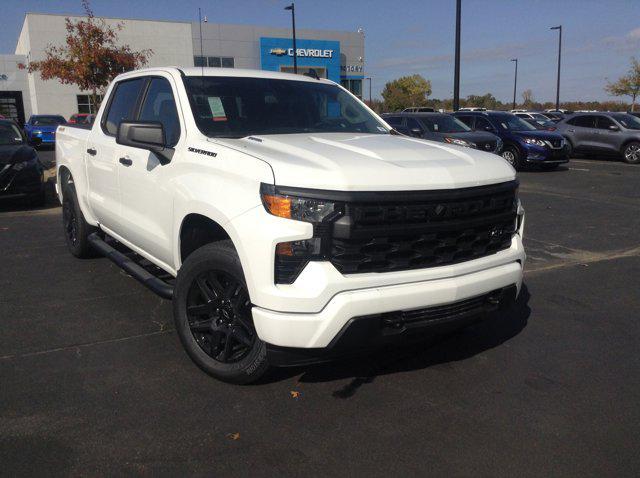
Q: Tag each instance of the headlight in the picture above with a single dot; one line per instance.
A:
(25, 164)
(36, 131)
(537, 142)
(459, 142)
(291, 257)
(297, 208)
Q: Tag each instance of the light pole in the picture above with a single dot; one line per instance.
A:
(456, 72)
(515, 83)
(559, 28)
(200, 25)
(369, 78)
(292, 7)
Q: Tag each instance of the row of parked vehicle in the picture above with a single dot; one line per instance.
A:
(526, 138)
(21, 171)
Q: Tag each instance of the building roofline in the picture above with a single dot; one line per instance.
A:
(185, 22)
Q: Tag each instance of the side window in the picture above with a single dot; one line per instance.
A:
(604, 122)
(412, 123)
(522, 115)
(585, 121)
(482, 124)
(159, 105)
(468, 120)
(122, 104)
(394, 120)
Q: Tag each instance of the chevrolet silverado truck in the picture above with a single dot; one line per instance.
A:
(286, 221)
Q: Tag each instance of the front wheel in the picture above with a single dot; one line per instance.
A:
(631, 153)
(212, 313)
(512, 156)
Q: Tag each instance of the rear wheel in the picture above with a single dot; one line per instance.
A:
(512, 156)
(212, 313)
(76, 229)
(631, 153)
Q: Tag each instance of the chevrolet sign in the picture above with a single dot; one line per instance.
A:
(303, 52)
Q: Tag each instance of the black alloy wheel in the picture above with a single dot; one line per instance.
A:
(70, 222)
(219, 316)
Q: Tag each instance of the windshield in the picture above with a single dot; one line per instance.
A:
(444, 124)
(47, 120)
(513, 123)
(9, 134)
(237, 107)
(628, 121)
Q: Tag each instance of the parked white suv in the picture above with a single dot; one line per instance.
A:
(297, 224)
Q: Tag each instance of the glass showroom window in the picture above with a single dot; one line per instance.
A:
(214, 61)
(85, 105)
(354, 86)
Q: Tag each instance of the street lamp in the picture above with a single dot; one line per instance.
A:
(456, 71)
(559, 28)
(292, 7)
(369, 78)
(515, 83)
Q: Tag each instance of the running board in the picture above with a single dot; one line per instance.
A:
(136, 271)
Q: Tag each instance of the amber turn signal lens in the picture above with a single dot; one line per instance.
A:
(278, 205)
(284, 249)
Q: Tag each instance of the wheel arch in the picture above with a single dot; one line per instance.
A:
(197, 230)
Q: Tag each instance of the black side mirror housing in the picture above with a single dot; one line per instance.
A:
(145, 135)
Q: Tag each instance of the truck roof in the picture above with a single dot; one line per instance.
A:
(237, 72)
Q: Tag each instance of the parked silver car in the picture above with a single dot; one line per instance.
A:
(608, 133)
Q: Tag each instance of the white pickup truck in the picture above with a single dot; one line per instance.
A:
(286, 220)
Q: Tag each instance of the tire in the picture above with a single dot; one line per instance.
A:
(512, 156)
(631, 153)
(212, 313)
(76, 229)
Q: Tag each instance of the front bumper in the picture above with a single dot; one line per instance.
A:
(539, 154)
(317, 330)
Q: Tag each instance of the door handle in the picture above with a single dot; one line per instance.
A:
(92, 151)
(126, 161)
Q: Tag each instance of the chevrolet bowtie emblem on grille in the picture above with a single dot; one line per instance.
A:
(487, 146)
(278, 51)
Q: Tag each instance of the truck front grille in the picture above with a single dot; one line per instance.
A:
(403, 231)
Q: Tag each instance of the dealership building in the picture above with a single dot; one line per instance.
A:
(337, 55)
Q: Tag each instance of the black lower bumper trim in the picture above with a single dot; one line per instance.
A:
(136, 271)
(372, 332)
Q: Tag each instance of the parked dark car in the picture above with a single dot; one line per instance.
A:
(543, 124)
(523, 144)
(555, 116)
(604, 133)
(21, 172)
(43, 127)
(634, 113)
(444, 128)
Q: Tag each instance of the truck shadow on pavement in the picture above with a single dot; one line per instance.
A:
(473, 340)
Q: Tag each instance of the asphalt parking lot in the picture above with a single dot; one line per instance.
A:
(93, 380)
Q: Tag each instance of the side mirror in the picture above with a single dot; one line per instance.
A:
(145, 135)
(614, 128)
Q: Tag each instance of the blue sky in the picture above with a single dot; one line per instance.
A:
(406, 37)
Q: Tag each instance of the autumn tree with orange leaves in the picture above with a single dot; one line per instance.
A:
(90, 58)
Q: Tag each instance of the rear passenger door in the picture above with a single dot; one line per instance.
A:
(146, 201)
(101, 158)
(581, 131)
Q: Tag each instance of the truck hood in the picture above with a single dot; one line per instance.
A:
(371, 162)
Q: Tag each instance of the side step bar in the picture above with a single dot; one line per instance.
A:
(136, 271)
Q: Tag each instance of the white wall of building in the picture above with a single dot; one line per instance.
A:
(170, 42)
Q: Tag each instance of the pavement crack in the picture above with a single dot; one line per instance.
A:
(78, 347)
(579, 257)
